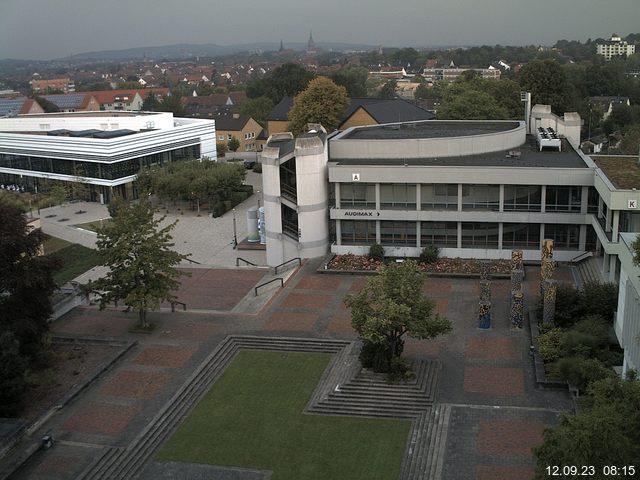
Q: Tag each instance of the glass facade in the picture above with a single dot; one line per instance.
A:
(398, 196)
(399, 234)
(440, 234)
(97, 170)
(354, 232)
(522, 198)
(289, 222)
(481, 197)
(565, 237)
(288, 185)
(521, 235)
(563, 199)
(439, 196)
(479, 235)
(357, 195)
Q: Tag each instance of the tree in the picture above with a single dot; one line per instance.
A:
(547, 82)
(630, 143)
(635, 246)
(150, 103)
(389, 306)
(354, 79)
(47, 105)
(142, 266)
(388, 90)
(605, 433)
(471, 105)
(13, 368)
(322, 102)
(26, 282)
(79, 188)
(172, 103)
(288, 79)
(257, 108)
(221, 149)
(233, 144)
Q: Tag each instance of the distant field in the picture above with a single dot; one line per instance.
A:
(253, 418)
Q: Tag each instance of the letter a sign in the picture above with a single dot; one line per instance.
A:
(355, 177)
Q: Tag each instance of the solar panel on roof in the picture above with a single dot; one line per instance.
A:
(65, 101)
(11, 105)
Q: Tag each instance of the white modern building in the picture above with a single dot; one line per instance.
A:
(615, 47)
(103, 149)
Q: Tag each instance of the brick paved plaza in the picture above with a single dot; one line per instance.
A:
(497, 413)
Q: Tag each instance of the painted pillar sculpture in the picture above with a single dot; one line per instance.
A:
(516, 260)
(485, 291)
(547, 266)
(484, 315)
(517, 309)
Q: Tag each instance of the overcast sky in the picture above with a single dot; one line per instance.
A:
(45, 29)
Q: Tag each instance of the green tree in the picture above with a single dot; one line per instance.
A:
(47, 105)
(79, 188)
(605, 433)
(257, 108)
(630, 143)
(322, 102)
(288, 79)
(547, 82)
(138, 253)
(13, 368)
(389, 306)
(471, 105)
(388, 90)
(635, 246)
(26, 281)
(354, 79)
(172, 103)
(233, 144)
(150, 103)
(221, 149)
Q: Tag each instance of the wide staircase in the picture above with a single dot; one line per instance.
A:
(589, 270)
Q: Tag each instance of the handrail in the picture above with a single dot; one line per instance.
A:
(245, 261)
(255, 290)
(192, 261)
(288, 261)
(173, 305)
(581, 257)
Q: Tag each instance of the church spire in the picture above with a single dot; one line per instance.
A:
(281, 46)
(311, 45)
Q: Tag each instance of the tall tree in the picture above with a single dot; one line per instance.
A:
(322, 102)
(26, 282)
(13, 367)
(257, 108)
(354, 79)
(138, 253)
(288, 79)
(389, 306)
(388, 90)
(547, 82)
(471, 105)
(233, 144)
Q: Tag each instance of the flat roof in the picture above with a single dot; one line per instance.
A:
(622, 170)
(429, 129)
(530, 157)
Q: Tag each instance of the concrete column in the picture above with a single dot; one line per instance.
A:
(418, 197)
(600, 204)
(501, 207)
(338, 232)
(583, 238)
(584, 200)
(459, 234)
(543, 200)
(337, 194)
(418, 239)
(541, 234)
(615, 226)
(459, 197)
(613, 264)
(378, 230)
(500, 230)
(378, 199)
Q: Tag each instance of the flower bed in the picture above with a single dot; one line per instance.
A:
(350, 262)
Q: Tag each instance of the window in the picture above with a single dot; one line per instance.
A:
(440, 234)
(221, 138)
(563, 199)
(522, 198)
(288, 182)
(480, 197)
(399, 234)
(439, 196)
(565, 237)
(229, 137)
(521, 235)
(358, 232)
(592, 201)
(357, 195)
(398, 196)
(479, 235)
(290, 222)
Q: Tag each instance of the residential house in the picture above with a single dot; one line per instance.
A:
(614, 47)
(13, 106)
(212, 105)
(607, 104)
(74, 102)
(64, 85)
(126, 100)
(242, 127)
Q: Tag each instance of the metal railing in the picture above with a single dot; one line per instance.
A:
(582, 256)
(173, 305)
(192, 261)
(288, 261)
(247, 262)
(255, 290)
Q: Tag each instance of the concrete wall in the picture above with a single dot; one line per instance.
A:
(85, 121)
(569, 125)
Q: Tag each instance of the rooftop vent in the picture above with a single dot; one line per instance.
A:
(548, 138)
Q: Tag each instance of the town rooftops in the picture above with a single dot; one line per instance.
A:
(14, 106)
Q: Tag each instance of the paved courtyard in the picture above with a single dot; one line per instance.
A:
(497, 413)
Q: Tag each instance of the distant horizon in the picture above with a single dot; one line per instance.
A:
(45, 30)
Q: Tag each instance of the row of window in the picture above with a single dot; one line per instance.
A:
(105, 171)
(517, 198)
(473, 234)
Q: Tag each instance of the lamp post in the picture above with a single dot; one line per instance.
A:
(235, 233)
(258, 192)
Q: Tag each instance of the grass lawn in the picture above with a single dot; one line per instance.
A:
(53, 244)
(92, 226)
(76, 259)
(253, 418)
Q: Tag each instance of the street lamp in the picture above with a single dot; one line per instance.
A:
(235, 233)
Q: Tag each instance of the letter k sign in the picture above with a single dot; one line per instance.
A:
(632, 204)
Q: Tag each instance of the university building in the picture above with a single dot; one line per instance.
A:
(102, 149)
(475, 189)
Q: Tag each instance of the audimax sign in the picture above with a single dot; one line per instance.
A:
(361, 213)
